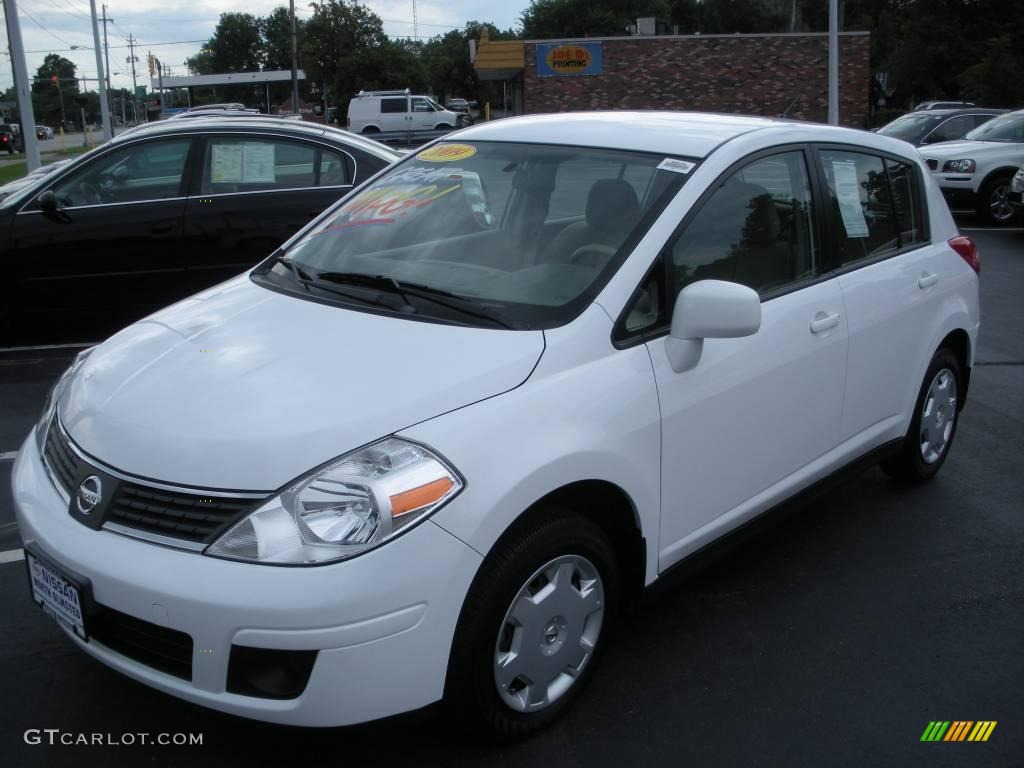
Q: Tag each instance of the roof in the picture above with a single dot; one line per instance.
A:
(210, 123)
(693, 134)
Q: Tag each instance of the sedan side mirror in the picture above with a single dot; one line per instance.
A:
(710, 309)
(47, 202)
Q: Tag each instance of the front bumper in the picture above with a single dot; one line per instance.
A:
(958, 191)
(382, 622)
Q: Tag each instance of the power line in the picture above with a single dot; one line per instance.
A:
(43, 27)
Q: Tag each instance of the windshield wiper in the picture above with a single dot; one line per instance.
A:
(438, 296)
(298, 271)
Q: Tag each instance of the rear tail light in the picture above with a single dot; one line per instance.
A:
(968, 251)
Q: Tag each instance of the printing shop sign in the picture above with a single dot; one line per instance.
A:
(569, 59)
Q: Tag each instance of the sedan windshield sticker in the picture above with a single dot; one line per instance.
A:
(447, 153)
(848, 197)
(676, 166)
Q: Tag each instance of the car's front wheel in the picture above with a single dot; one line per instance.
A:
(533, 625)
(933, 426)
(994, 202)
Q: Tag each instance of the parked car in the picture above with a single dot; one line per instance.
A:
(460, 107)
(1016, 193)
(934, 126)
(384, 111)
(465, 424)
(161, 212)
(10, 140)
(975, 173)
(44, 132)
(926, 105)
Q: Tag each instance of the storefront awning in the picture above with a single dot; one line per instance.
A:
(499, 59)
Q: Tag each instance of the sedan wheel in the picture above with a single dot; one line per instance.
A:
(549, 633)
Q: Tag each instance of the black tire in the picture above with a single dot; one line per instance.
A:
(371, 129)
(992, 198)
(909, 464)
(471, 691)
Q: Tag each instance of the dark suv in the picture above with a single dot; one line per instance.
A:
(935, 125)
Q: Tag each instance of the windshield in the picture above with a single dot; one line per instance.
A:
(910, 127)
(1009, 128)
(527, 232)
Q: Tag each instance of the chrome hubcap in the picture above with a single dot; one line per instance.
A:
(938, 415)
(999, 204)
(549, 633)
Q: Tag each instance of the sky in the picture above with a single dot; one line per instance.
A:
(174, 30)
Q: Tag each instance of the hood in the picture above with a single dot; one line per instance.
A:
(957, 150)
(244, 388)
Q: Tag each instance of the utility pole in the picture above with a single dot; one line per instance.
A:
(132, 59)
(295, 64)
(104, 106)
(106, 57)
(21, 86)
(833, 62)
(60, 98)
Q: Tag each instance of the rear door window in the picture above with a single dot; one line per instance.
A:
(952, 129)
(253, 164)
(860, 205)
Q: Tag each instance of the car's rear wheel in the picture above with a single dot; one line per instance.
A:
(533, 625)
(933, 427)
(994, 202)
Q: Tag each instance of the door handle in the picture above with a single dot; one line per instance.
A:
(822, 322)
(162, 229)
(927, 280)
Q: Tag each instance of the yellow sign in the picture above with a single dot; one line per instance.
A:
(446, 153)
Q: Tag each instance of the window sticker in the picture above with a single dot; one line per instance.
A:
(447, 153)
(249, 163)
(227, 164)
(258, 163)
(848, 196)
(676, 166)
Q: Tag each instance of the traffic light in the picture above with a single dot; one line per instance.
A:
(55, 80)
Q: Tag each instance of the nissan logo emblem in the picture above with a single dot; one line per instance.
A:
(90, 493)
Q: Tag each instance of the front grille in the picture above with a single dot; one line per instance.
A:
(61, 460)
(933, 165)
(179, 515)
(192, 516)
(167, 650)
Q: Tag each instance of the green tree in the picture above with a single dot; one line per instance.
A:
(990, 82)
(46, 97)
(236, 46)
(276, 30)
(580, 18)
(341, 43)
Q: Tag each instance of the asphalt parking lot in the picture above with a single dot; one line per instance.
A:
(830, 639)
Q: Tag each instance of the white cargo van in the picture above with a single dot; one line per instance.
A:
(377, 111)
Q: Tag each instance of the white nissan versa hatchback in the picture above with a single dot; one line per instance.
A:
(434, 445)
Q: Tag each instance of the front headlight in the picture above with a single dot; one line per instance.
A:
(351, 505)
(958, 166)
(54, 395)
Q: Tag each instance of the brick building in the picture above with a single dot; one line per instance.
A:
(763, 74)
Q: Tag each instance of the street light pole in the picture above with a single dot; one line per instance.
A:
(104, 106)
(21, 87)
(295, 62)
(833, 62)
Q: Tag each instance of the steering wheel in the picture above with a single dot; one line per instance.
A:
(90, 193)
(595, 249)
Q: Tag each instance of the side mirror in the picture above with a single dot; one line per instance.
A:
(710, 309)
(47, 202)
